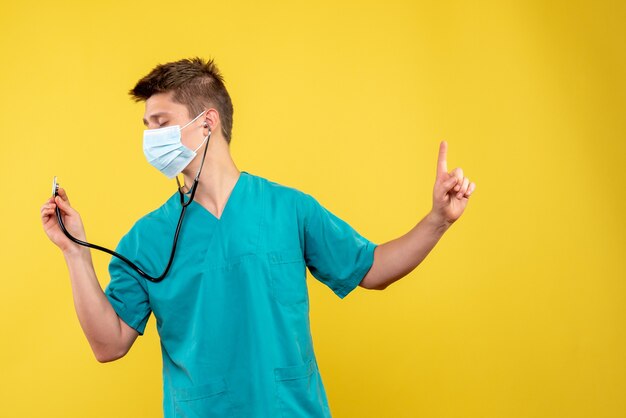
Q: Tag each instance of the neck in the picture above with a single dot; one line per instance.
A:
(218, 177)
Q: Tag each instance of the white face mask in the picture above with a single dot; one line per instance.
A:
(164, 150)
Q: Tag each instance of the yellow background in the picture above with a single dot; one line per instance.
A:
(519, 311)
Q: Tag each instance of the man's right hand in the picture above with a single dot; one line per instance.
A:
(71, 220)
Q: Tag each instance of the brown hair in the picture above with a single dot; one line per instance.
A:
(196, 83)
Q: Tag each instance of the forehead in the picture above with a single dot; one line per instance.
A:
(162, 104)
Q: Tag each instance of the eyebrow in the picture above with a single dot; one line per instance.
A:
(154, 116)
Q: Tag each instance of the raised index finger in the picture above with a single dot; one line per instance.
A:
(442, 165)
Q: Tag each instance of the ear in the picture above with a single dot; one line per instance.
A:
(211, 119)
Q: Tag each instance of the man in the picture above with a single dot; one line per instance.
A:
(232, 312)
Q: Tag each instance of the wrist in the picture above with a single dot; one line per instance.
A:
(77, 253)
(438, 221)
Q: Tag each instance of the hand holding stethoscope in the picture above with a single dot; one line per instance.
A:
(71, 219)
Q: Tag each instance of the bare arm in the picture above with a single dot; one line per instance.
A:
(395, 259)
(109, 337)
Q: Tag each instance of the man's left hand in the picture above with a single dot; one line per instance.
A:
(451, 192)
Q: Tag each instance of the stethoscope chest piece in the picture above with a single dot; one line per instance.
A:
(55, 187)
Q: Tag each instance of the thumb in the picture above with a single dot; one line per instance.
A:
(63, 195)
(450, 183)
(63, 205)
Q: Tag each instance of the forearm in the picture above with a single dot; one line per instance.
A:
(397, 258)
(98, 319)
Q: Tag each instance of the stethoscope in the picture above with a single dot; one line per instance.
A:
(192, 192)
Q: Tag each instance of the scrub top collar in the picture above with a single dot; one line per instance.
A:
(232, 203)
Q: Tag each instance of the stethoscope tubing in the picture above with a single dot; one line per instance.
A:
(139, 271)
(120, 256)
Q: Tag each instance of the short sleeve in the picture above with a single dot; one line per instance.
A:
(127, 291)
(335, 253)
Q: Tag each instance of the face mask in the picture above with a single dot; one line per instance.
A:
(163, 149)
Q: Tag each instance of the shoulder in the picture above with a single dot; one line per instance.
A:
(275, 189)
(156, 220)
(283, 201)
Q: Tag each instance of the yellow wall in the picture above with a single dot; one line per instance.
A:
(520, 310)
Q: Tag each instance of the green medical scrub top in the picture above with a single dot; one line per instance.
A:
(233, 312)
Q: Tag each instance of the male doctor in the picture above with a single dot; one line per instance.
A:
(233, 312)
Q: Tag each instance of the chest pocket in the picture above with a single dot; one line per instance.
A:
(288, 276)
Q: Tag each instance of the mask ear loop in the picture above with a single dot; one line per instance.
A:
(192, 120)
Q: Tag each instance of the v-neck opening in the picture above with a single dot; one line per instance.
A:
(233, 194)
